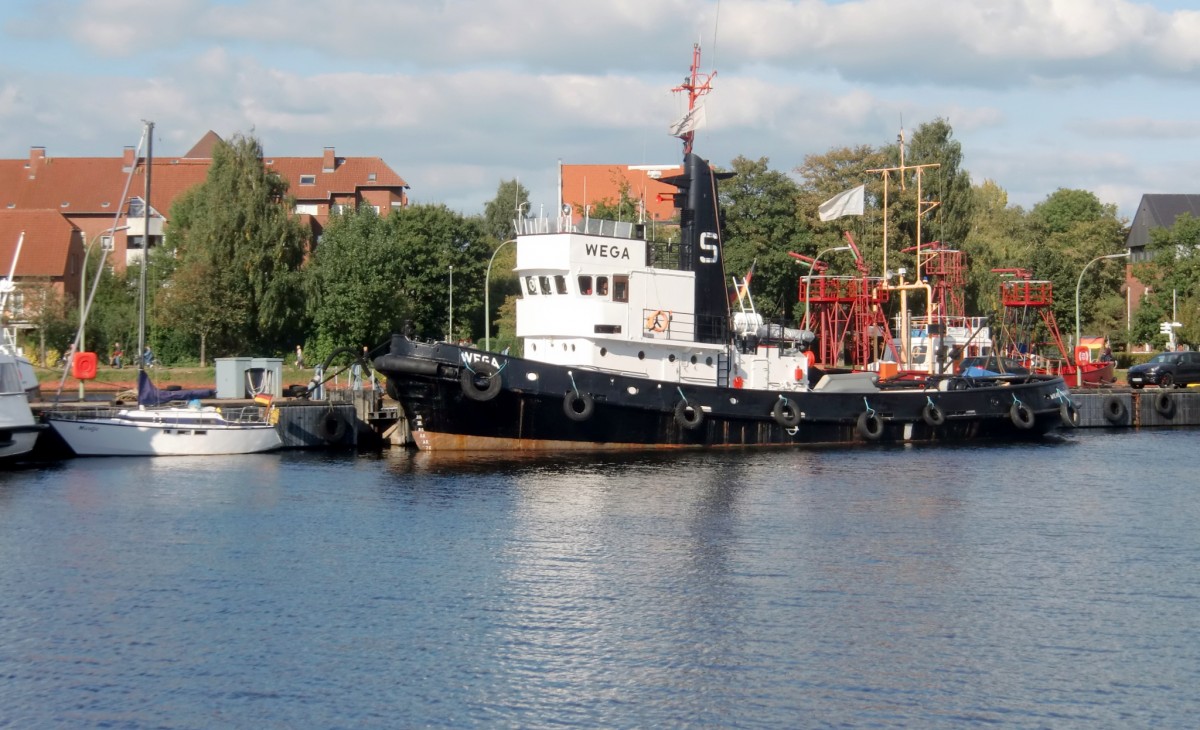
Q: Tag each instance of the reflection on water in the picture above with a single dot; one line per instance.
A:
(923, 587)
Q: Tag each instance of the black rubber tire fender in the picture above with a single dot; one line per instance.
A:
(333, 427)
(690, 422)
(869, 425)
(1022, 415)
(933, 415)
(1164, 404)
(578, 406)
(785, 413)
(1115, 411)
(1068, 413)
(469, 380)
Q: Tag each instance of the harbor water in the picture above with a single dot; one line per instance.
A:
(1036, 585)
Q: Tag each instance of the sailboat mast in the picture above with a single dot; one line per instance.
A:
(145, 249)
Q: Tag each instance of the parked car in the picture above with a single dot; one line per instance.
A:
(1166, 369)
(992, 364)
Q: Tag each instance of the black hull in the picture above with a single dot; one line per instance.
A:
(452, 401)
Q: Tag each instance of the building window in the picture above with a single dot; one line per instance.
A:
(308, 179)
(370, 177)
(106, 243)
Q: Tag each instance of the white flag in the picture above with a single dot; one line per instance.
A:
(849, 202)
(688, 123)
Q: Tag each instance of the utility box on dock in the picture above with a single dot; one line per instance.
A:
(246, 377)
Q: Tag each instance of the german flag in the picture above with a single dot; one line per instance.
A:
(264, 399)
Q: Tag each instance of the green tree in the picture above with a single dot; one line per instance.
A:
(511, 202)
(761, 228)
(351, 283)
(241, 250)
(431, 239)
(1000, 237)
(948, 183)
(824, 176)
(1072, 228)
(1173, 279)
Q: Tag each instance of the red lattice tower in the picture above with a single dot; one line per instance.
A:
(1021, 294)
(945, 269)
(846, 312)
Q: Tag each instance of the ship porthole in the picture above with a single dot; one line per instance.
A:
(603, 351)
(671, 358)
(708, 361)
(693, 359)
(641, 355)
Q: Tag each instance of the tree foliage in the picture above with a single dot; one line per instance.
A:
(948, 184)
(431, 239)
(1173, 281)
(761, 228)
(351, 283)
(239, 253)
(511, 202)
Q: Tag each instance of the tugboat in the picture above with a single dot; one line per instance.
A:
(629, 344)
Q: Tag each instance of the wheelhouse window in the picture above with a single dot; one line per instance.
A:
(544, 282)
(585, 285)
(602, 286)
(560, 284)
(621, 288)
(530, 285)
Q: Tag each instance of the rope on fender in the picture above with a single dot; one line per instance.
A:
(871, 410)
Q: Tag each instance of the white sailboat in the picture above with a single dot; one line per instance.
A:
(18, 428)
(155, 429)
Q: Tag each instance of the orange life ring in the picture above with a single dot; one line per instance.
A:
(658, 321)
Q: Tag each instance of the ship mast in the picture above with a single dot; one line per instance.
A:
(696, 85)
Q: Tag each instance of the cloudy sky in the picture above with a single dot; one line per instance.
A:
(457, 95)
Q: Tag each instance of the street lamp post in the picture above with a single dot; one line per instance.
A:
(1078, 284)
(87, 250)
(808, 277)
(487, 302)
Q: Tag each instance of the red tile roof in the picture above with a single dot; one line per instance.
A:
(47, 247)
(588, 184)
(93, 185)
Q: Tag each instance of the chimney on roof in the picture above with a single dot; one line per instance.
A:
(37, 155)
(128, 161)
(329, 164)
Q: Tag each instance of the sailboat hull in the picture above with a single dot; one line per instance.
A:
(165, 436)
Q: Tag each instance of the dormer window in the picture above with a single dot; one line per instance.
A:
(308, 179)
(370, 177)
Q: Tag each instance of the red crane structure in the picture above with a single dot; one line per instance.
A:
(1020, 296)
(846, 312)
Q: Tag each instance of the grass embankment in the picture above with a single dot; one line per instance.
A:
(117, 379)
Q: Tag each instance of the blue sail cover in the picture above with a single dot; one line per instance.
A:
(149, 395)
